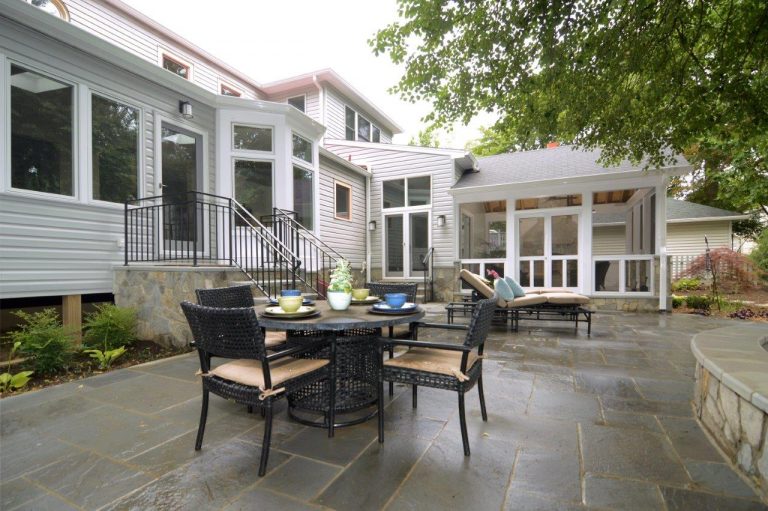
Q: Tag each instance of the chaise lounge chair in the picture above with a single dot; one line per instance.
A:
(553, 304)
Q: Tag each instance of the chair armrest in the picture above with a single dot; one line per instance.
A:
(424, 344)
(445, 326)
(295, 350)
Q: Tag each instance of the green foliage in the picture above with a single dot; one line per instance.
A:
(686, 284)
(641, 80)
(760, 254)
(10, 381)
(44, 339)
(730, 270)
(426, 138)
(341, 277)
(105, 358)
(699, 302)
(110, 326)
(677, 301)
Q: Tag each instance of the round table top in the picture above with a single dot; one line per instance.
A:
(356, 316)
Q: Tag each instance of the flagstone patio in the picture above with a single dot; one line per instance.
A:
(575, 422)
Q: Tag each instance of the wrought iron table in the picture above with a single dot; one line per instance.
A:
(353, 334)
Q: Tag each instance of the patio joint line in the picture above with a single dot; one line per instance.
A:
(46, 490)
(511, 478)
(582, 472)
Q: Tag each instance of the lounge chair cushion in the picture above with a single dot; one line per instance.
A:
(477, 283)
(543, 290)
(566, 298)
(523, 301)
(432, 361)
(503, 290)
(272, 338)
(248, 371)
(517, 289)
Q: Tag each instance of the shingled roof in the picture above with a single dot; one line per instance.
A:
(561, 162)
(677, 210)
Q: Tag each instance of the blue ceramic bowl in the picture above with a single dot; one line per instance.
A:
(395, 300)
(290, 292)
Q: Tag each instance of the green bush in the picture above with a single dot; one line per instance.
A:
(686, 284)
(677, 301)
(109, 327)
(699, 302)
(44, 340)
(760, 254)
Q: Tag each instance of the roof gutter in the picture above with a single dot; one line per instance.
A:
(731, 218)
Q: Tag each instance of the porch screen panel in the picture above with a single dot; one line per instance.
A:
(565, 235)
(531, 237)
(41, 133)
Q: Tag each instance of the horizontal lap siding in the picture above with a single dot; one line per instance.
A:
(347, 237)
(335, 104)
(392, 164)
(51, 247)
(100, 20)
(609, 240)
(688, 238)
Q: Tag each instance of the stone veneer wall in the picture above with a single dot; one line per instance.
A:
(445, 282)
(156, 292)
(738, 426)
(625, 304)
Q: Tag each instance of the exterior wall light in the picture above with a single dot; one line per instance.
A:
(441, 220)
(185, 109)
(372, 225)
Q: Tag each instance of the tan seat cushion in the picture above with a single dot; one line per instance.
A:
(401, 331)
(476, 281)
(543, 290)
(272, 338)
(432, 361)
(248, 372)
(566, 298)
(523, 301)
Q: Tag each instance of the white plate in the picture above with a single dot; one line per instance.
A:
(386, 307)
(277, 311)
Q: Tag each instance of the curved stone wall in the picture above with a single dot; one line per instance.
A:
(731, 395)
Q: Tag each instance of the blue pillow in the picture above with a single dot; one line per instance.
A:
(503, 290)
(514, 286)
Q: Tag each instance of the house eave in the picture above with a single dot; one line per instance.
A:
(731, 218)
(325, 153)
(451, 153)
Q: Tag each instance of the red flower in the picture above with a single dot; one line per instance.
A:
(492, 274)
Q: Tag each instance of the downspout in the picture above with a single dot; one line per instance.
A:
(367, 230)
(320, 102)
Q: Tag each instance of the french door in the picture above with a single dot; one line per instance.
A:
(548, 250)
(406, 242)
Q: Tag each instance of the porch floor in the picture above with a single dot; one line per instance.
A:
(603, 422)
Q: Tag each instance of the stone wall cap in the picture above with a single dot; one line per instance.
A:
(169, 268)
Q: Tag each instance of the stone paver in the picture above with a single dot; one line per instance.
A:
(575, 423)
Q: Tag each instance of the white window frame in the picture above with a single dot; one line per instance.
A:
(77, 131)
(162, 53)
(251, 125)
(406, 178)
(357, 125)
(272, 163)
(288, 101)
(224, 84)
(342, 184)
(141, 189)
(304, 163)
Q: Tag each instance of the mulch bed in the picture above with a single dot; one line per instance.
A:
(83, 366)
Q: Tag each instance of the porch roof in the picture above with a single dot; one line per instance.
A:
(678, 211)
(559, 163)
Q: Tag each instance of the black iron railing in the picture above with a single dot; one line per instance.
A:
(200, 228)
(428, 267)
(317, 256)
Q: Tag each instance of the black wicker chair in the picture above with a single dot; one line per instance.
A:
(254, 378)
(233, 297)
(441, 365)
(380, 289)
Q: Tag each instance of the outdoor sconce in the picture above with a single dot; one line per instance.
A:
(372, 225)
(441, 220)
(185, 109)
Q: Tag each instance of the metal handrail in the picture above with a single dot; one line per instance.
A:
(429, 271)
(286, 214)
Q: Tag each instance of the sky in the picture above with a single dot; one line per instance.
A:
(276, 39)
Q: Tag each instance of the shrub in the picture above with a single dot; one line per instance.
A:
(731, 270)
(110, 327)
(759, 255)
(44, 340)
(13, 381)
(677, 301)
(686, 284)
(105, 358)
(698, 302)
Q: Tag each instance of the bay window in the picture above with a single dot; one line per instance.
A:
(302, 148)
(303, 196)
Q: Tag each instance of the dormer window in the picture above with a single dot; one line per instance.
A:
(298, 102)
(53, 7)
(176, 65)
(359, 128)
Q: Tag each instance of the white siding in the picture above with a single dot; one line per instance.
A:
(688, 238)
(347, 237)
(609, 240)
(50, 246)
(335, 104)
(311, 103)
(101, 20)
(387, 162)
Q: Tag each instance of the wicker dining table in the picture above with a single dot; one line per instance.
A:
(353, 336)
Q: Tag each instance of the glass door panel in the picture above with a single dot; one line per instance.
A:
(532, 244)
(419, 242)
(548, 250)
(181, 171)
(394, 246)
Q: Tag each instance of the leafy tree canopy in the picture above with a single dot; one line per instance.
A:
(640, 79)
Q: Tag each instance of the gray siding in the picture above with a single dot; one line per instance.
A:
(609, 240)
(334, 116)
(688, 238)
(101, 20)
(387, 162)
(311, 103)
(346, 236)
(53, 247)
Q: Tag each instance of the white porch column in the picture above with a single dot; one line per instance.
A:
(511, 263)
(661, 240)
(585, 245)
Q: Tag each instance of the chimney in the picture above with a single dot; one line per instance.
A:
(552, 145)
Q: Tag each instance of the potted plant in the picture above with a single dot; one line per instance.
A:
(340, 288)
